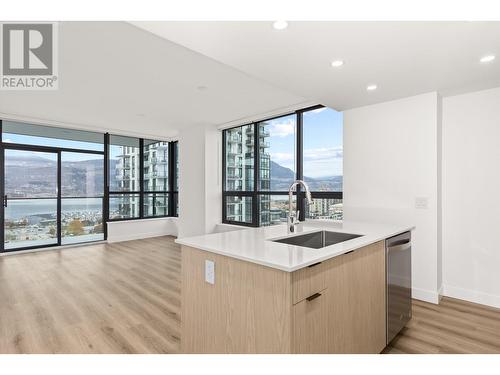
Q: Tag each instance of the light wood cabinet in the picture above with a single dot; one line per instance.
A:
(308, 281)
(257, 309)
(356, 284)
(310, 331)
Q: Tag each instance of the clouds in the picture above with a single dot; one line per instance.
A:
(285, 159)
(321, 162)
(281, 157)
(323, 154)
(282, 129)
(318, 162)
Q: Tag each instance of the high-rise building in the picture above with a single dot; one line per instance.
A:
(240, 172)
(155, 176)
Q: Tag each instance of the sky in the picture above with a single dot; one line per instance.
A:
(323, 146)
(66, 156)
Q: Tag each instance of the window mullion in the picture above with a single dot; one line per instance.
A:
(299, 164)
(141, 178)
(256, 178)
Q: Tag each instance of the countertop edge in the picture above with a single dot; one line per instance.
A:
(303, 265)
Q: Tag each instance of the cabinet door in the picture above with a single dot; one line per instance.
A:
(310, 324)
(308, 281)
(357, 301)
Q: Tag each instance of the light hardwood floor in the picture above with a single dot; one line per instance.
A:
(106, 298)
(125, 298)
(453, 326)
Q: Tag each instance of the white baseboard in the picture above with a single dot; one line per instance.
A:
(136, 236)
(425, 295)
(472, 296)
(128, 230)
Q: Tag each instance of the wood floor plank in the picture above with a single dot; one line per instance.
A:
(453, 326)
(125, 298)
(105, 298)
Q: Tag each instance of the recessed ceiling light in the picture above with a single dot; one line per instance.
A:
(371, 87)
(488, 58)
(202, 88)
(337, 63)
(140, 115)
(280, 25)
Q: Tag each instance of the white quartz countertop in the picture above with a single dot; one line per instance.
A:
(255, 245)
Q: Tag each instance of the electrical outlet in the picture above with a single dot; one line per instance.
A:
(210, 271)
(422, 203)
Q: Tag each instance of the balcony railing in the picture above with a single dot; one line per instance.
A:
(235, 138)
(120, 176)
(158, 161)
(233, 164)
(123, 166)
(264, 132)
(160, 174)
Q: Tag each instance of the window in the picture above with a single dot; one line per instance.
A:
(142, 178)
(175, 192)
(82, 197)
(322, 162)
(239, 209)
(305, 145)
(61, 186)
(124, 206)
(156, 178)
(53, 186)
(322, 134)
(124, 160)
(277, 153)
(48, 136)
(239, 168)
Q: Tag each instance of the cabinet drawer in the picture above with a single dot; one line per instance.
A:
(307, 281)
(311, 324)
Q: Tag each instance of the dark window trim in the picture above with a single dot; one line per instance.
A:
(59, 197)
(299, 146)
(142, 192)
(171, 193)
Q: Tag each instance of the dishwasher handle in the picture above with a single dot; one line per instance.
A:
(400, 247)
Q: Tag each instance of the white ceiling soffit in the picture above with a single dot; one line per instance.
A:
(401, 58)
(116, 77)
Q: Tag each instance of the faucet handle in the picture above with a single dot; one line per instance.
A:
(297, 213)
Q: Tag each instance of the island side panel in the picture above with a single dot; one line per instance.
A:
(247, 310)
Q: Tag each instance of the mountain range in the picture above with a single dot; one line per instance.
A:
(282, 177)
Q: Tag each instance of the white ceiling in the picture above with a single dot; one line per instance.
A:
(402, 58)
(144, 80)
(114, 76)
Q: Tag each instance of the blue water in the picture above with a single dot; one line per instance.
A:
(18, 209)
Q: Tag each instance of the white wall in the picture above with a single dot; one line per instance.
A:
(390, 159)
(200, 197)
(137, 229)
(471, 196)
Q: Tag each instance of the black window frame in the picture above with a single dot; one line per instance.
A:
(255, 194)
(59, 197)
(171, 193)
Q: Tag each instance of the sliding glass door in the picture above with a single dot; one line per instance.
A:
(82, 196)
(51, 197)
(30, 202)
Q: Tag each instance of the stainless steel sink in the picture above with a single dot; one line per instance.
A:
(317, 240)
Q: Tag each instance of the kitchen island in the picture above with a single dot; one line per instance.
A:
(243, 292)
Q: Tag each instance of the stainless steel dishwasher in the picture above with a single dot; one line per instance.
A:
(398, 283)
